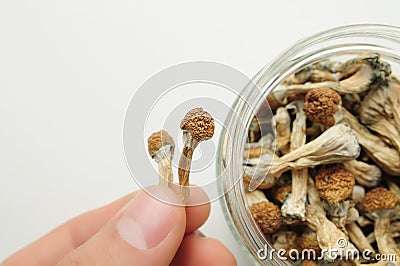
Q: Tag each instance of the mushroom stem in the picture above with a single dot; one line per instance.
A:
(294, 207)
(328, 234)
(163, 159)
(384, 156)
(358, 238)
(185, 162)
(336, 144)
(282, 125)
(384, 239)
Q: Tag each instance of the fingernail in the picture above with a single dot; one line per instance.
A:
(147, 220)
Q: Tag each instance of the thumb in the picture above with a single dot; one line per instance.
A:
(147, 231)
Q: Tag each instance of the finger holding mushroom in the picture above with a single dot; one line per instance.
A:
(379, 203)
(335, 185)
(265, 213)
(197, 125)
(161, 148)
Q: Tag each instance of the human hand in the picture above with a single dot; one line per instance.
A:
(134, 230)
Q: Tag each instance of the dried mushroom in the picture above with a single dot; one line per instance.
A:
(379, 203)
(322, 105)
(337, 139)
(161, 148)
(337, 144)
(266, 214)
(282, 125)
(367, 175)
(294, 206)
(335, 184)
(357, 75)
(197, 125)
(386, 157)
(376, 113)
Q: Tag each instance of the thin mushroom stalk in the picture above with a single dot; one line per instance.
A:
(161, 148)
(197, 125)
(379, 203)
(386, 157)
(294, 207)
(394, 228)
(282, 125)
(358, 238)
(336, 144)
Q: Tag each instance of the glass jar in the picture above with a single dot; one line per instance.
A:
(342, 42)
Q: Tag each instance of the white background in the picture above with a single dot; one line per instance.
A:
(69, 68)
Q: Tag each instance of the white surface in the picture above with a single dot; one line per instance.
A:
(69, 68)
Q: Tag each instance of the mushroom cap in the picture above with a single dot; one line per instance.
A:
(309, 241)
(283, 191)
(199, 123)
(157, 140)
(379, 198)
(267, 215)
(334, 183)
(321, 105)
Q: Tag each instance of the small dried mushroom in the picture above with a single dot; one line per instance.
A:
(266, 214)
(335, 185)
(322, 105)
(337, 144)
(161, 148)
(197, 126)
(379, 203)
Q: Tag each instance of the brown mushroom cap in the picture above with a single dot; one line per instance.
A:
(199, 123)
(334, 183)
(283, 191)
(379, 198)
(157, 140)
(321, 105)
(309, 241)
(267, 215)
